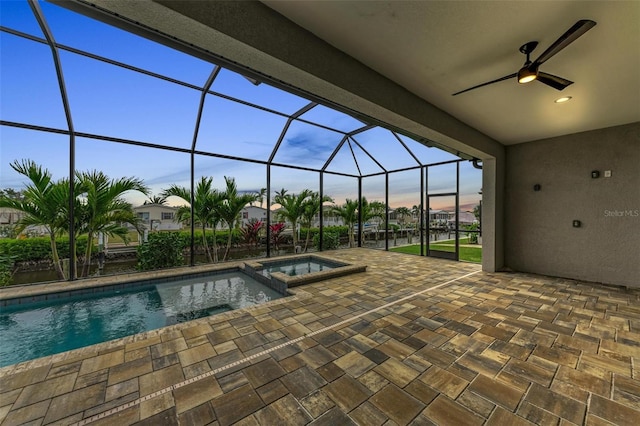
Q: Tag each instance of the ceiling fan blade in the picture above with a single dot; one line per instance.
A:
(572, 34)
(554, 81)
(506, 77)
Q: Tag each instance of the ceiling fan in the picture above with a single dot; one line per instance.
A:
(530, 70)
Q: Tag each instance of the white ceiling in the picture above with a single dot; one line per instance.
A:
(436, 48)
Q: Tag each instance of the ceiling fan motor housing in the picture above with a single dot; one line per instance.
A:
(527, 48)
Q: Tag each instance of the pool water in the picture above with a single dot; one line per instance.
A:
(34, 330)
(298, 267)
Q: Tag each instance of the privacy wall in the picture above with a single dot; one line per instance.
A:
(579, 222)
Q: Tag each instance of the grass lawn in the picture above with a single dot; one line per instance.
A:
(470, 254)
(133, 237)
(464, 240)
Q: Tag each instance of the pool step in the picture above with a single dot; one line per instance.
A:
(200, 313)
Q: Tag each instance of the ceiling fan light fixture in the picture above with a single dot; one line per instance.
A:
(527, 75)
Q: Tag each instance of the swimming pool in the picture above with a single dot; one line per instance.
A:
(34, 330)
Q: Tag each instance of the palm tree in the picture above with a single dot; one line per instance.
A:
(230, 208)
(311, 209)
(103, 210)
(279, 194)
(45, 203)
(260, 196)
(156, 199)
(348, 212)
(402, 213)
(477, 211)
(292, 208)
(372, 210)
(204, 212)
(415, 212)
(12, 193)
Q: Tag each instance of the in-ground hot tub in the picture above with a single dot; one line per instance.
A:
(283, 273)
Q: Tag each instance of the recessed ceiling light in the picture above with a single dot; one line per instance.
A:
(562, 99)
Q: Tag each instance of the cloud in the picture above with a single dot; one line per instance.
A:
(181, 175)
(310, 147)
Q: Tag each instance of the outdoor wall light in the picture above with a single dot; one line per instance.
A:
(577, 224)
(595, 174)
(537, 187)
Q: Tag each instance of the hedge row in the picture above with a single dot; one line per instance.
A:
(38, 248)
(341, 231)
(221, 238)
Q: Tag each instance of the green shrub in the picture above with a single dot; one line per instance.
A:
(286, 239)
(162, 250)
(6, 269)
(312, 233)
(342, 231)
(8, 231)
(39, 248)
(221, 238)
(81, 246)
(29, 249)
(473, 236)
(330, 240)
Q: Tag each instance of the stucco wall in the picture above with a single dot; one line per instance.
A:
(539, 234)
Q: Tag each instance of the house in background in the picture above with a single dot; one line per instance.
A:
(253, 213)
(464, 218)
(158, 217)
(9, 216)
(438, 217)
(328, 218)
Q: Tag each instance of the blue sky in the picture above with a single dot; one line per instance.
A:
(116, 102)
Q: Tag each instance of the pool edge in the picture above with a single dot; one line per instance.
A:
(285, 282)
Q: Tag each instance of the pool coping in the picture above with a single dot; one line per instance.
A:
(286, 282)
(26, 290)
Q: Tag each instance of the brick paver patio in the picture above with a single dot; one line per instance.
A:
(411, 341)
